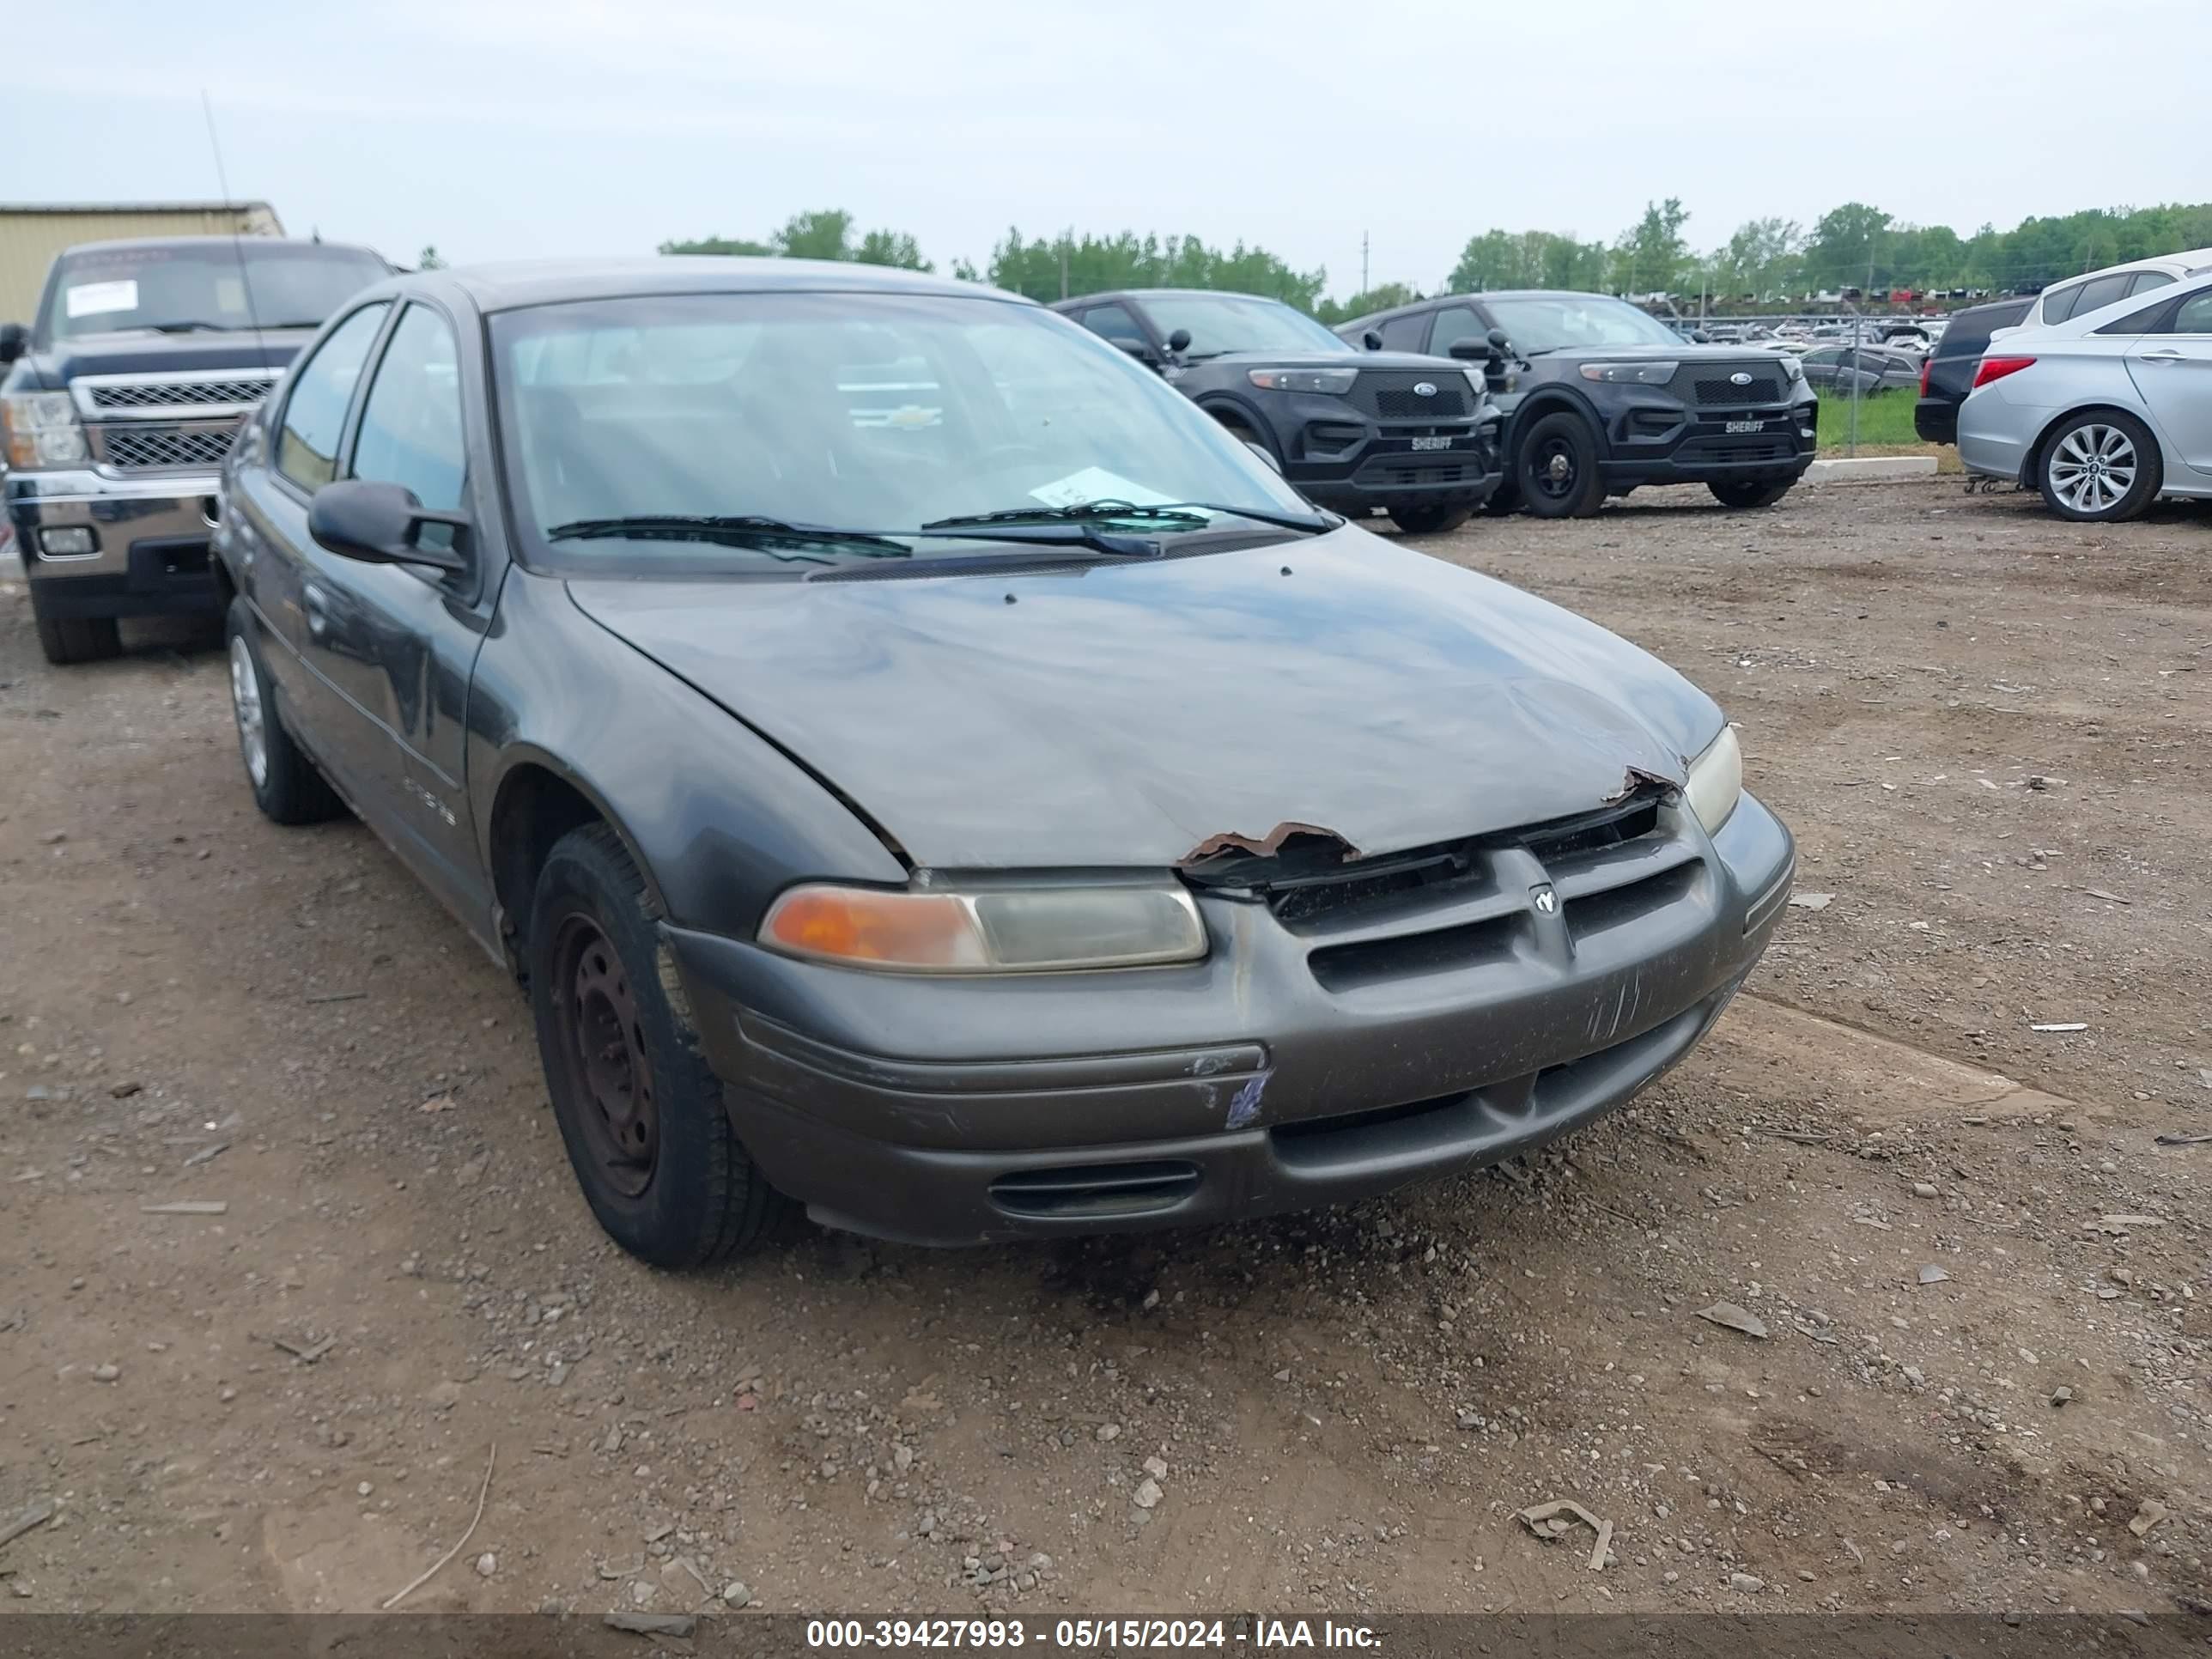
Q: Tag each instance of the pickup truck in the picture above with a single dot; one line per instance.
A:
(119, 402)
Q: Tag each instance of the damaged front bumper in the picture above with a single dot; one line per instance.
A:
(1328, 1048)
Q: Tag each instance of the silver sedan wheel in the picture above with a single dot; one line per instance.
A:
(2092, 468)
(246, 703)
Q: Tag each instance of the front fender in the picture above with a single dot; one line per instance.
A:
(719, 819)
(1548, 398)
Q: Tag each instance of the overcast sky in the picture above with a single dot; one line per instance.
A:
(496, 128)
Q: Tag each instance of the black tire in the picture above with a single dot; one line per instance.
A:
(1555, 468)
(1503, 501)
(1431, 518)
(66, 639)
(1740, 494)
(287, 787)
(2080, 460)
(640, 1111)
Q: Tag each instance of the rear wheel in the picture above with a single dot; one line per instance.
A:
(1430, 517)
(1742, 493)
(640, 1111)
(286, 785)
(66, 639)
(1556, 468)
(2100, 468)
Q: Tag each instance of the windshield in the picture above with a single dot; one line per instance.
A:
(1230, 322)
(864, 411)
(1577, 319)
(221, 285)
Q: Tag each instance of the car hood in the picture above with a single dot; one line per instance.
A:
(1123, 714)
(1688, 352)
(154, 353)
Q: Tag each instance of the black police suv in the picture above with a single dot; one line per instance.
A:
(1413, 434)
(1599, 398)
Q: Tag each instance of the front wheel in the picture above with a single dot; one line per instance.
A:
(2100, 468)
(1430, 517)
(1738, 493)
(640, 1111)
(286, 785)
(1556, 468)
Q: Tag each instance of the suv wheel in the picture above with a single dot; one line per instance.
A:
(2100, 468)
(1556, 468)
(1430, 517)
(640, 1111)
(1742, 493)
(286, 785)
(66, 639)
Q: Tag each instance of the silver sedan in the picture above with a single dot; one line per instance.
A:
(2104, 413)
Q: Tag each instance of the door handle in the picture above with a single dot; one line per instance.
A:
(2168, 356)
(319, 615)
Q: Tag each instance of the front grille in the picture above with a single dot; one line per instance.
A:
(1463, 906)
(210, 394)
(1383, 473)
(149, 448)
(1390, 396)
(1712, 386)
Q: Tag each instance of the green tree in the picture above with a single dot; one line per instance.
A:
(1652, 256)
(1045, 268)
(1760, 263)
(722, 245)
(823, 234)
(1385, 297)
(428, 259)
(1844, 242)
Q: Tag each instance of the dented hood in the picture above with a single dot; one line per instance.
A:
(1125, 713)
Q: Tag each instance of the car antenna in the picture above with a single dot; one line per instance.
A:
(237, 237)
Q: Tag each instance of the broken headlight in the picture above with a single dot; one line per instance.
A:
(1716, 781)
(1014, 929)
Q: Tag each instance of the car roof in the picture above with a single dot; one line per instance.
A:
(513, 285)
(117, 245)
(1110, 294)
(1436, 302)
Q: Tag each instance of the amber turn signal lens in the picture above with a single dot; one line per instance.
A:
(1040, 928)
(864, 925)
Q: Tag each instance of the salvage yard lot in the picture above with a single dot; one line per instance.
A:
(1989, 732)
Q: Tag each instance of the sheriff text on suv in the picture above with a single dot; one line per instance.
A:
(1412, 434)
(1601, 397)
(120, 403)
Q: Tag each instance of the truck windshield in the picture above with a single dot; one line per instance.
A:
(187, 286)
(1577, 319)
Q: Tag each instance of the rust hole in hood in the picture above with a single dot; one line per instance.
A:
(1302, 844)
(1638, 779)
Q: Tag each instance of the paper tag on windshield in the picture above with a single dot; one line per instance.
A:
(96, 299)
(1095, 483)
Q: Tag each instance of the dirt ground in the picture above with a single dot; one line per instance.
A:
(1983, 1282)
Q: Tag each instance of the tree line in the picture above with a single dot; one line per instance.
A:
(1770, 261)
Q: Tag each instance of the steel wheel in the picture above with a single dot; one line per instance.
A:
(1553, 471)
(603, 1048)
(2093, 467)
(246, 705)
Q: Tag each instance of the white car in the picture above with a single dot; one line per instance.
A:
(2104, 412)
(2062, 301)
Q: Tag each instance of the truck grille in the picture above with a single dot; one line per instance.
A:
(151, 448)
(1706, 385)
(211, 391)
(1390, 396)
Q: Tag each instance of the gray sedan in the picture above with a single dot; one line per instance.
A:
(1872, 369)
(2103, 413)
(997, 807)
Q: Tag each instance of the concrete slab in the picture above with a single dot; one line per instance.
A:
(1871, 469)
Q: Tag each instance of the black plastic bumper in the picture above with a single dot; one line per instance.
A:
(1235, 1087)
(1660, 441)
(1936, 420)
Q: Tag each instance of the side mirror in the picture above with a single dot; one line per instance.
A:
(1467, 348)
(1180, 340)
(1264, 455)
(380, 523)
(1371, 340)
(1499, 341)
(14, 341)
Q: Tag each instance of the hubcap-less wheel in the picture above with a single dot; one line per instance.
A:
(602, 1047)
(245, 704)
(1552, 469)
(2092, 468)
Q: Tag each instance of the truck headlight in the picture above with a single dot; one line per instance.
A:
(42, 430)
(1025, 929)
(1716, 781)
(1330, 382)
(1630, 373)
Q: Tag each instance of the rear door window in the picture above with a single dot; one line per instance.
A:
(2104, 291)
(315, 409)
(1115, 324)
(1405, 333)
(1453, 324)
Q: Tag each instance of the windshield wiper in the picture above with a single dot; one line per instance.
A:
(1192, 514)
(728, 530)
(192, 325)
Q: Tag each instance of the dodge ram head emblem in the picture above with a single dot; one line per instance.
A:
(1546, 901)
(1424, 389)
(1739, 378)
